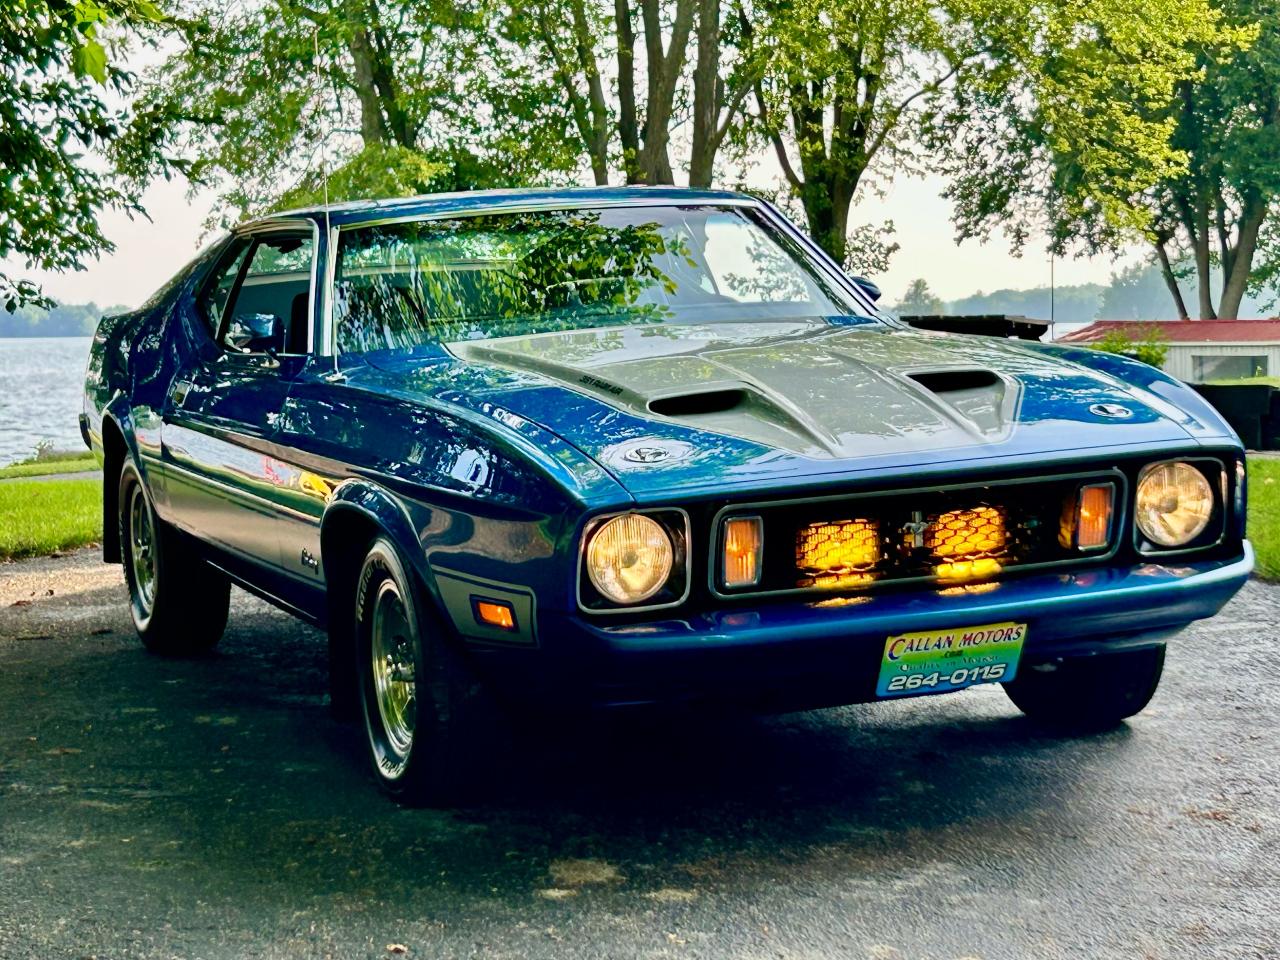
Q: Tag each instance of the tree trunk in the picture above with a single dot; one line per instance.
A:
(1171, 281)
(706, 89)
(383, 74)
(597, 139)
(373, 125)
(1253, 211)
(1203, 277)
(1194, 210)
(628, 126)
(664, 68)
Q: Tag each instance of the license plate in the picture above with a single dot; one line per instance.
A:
(935, 661)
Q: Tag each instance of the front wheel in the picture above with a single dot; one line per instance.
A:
(419, 701)
(178, 602)
(1089, 693)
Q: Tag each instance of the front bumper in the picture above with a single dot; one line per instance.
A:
(804, 654)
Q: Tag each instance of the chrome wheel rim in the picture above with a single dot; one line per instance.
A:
(394, 683)
(142, 551)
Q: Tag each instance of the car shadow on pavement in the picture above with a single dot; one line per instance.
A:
(226, 778)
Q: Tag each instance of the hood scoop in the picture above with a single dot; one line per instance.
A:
(821, 392)
(700, 403)
(742, 409)
(981, 397)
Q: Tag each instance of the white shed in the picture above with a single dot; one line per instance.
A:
(1202, 350)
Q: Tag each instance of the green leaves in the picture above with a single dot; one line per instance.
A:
(1149, 345)
(53, 68)
(1109, 122)
(90, 59)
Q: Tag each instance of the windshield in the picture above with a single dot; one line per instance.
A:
(439, 281)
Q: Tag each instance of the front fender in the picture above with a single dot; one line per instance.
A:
(1199, 418)
(374, 507)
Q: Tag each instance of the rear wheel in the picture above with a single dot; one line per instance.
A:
(420, 704)
(177, 600)
(1089, 693)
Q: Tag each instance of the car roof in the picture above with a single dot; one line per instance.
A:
(478, 201)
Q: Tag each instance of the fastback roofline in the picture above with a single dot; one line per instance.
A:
(475, 202)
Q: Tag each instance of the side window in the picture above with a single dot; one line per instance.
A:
(213, 301)
(270, 308)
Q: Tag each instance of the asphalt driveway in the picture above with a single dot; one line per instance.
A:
(211, 809)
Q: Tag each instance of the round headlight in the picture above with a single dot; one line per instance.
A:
(629, 558)
(1174, 504)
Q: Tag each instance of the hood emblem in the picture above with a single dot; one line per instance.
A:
(647, 454)
(649, 450)
(1112, 411)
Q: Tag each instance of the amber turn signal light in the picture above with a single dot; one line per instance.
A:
(1086, 523)
(491, 613)
(743, 551)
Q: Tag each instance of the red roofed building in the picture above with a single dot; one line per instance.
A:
(1202, 350)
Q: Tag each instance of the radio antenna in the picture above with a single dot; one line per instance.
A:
(328, 233)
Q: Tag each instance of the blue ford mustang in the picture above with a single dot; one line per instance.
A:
(629, 446)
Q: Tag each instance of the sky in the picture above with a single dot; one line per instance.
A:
(148, 252)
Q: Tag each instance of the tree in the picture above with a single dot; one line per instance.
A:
(919, 300)
(54, 75)
(579, 42)
(840, 91)
(1150, 345)
(1151, 124)
(396, 95)
(1219, 211)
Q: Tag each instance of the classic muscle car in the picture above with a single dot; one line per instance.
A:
(614, 447)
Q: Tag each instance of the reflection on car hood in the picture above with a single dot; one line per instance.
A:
(679, 404)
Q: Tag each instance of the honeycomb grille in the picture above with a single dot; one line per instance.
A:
(838, 553)
(968, 544)
(968, 534)
(957, 537)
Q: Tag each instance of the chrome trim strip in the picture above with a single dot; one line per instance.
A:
(823, 260)
(1153, 551)
(536, 206)
(328, 332)
(713, 565)
(594, 523)
(285, 225)
(236, 491)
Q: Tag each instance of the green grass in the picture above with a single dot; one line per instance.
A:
(1264, 515)
(75, 463)
(39, 517)
(1245, 382)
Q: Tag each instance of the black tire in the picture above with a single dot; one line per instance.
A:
(178, 601)
(434, 761)
(1089, 693)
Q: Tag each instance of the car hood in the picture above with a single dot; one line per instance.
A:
(672, 407)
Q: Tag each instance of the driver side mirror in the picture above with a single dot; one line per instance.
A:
(255, 333)
(867, 287)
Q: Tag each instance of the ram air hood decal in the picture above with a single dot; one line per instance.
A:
(671, 405)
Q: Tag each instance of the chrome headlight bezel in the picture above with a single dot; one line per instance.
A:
(1214, 474)
(673, 592)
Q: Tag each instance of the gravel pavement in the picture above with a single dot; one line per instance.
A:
(212, 809)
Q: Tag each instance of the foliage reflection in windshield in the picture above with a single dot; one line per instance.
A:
(498, 275)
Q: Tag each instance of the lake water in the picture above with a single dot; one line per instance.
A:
(41, 393)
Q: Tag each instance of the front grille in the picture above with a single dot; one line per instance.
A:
(956, 535)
